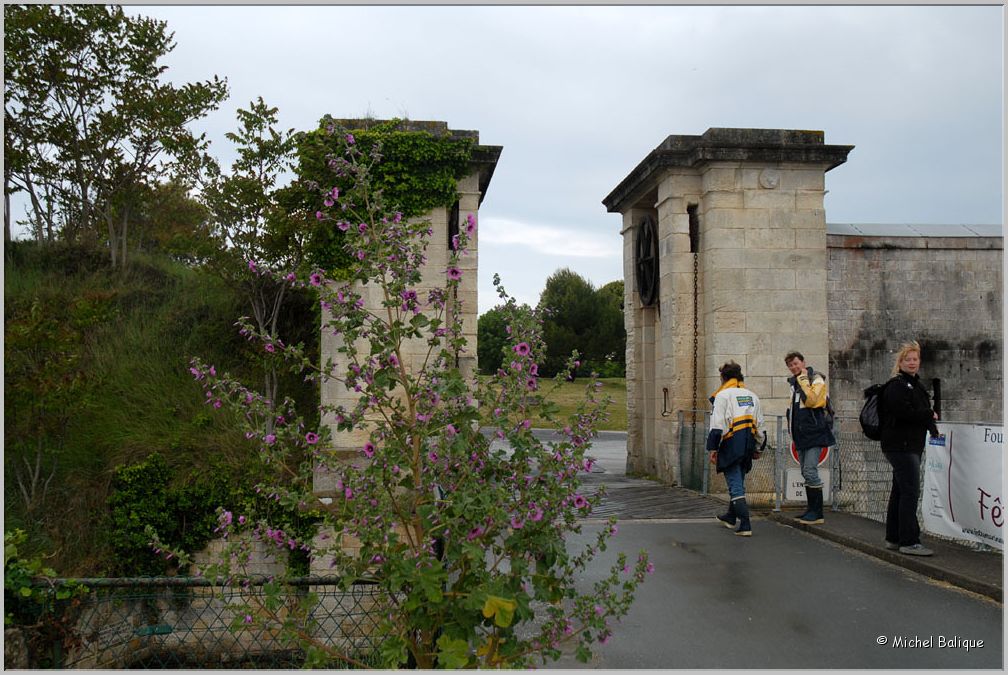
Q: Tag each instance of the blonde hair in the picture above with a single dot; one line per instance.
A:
(905, 348)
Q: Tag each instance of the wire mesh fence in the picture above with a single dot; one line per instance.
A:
(189, 623)
(857, 474)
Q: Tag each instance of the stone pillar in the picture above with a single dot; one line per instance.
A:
(640, 356)
(471, 190)
(759, 248)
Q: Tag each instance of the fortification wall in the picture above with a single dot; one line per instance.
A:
(944, 292)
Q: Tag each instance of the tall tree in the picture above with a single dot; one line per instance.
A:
(491, 339)
(567, 304)
(88, 120)
(248, 227)
(609, 348)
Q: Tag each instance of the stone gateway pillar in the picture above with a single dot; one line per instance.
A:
(724, 257)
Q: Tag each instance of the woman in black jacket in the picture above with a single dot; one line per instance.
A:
(908, 417)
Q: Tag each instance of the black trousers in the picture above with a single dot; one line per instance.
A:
(901, 524)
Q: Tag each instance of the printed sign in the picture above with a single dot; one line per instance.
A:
(962, 483)
(794, 485)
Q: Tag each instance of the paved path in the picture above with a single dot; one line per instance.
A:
(781, 599)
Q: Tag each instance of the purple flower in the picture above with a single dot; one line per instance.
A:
(475, 533)
(470, 224)
(451, 430)
(252, 265)
(369, 449)
(217, 403)
(248, 618)
(315, 279)
(270, 439)
(344, 226)
(269, 347)
(599, 610)
(517, 523)
(649, 568)
(534, 369)
(522, 349)
(334, 193)
(350, 141)
(311, 438)
(328, 201)
(319, 215)
(536, 514)
(531, 384)
(454, 273)
(360, 255)
(580, 502)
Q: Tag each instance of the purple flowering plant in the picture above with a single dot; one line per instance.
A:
(460, 515)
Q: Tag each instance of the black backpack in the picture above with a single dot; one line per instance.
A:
(871, 412)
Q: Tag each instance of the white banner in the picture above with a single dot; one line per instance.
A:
(962, 483)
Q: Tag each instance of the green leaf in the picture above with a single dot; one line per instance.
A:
(501, 609)
(453, 653)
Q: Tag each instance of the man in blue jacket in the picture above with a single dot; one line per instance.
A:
(737, 436)
(809, 429)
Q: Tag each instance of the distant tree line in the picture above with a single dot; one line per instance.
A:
(576, 316)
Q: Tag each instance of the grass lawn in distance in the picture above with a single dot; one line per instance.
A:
(570, 394)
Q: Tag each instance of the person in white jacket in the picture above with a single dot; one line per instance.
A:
(737, 436)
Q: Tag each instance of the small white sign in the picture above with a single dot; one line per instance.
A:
(794, 485)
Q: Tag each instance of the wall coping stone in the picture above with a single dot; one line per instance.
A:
(764, 146)
(934, 243)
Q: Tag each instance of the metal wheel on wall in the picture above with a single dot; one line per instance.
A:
(646, 260)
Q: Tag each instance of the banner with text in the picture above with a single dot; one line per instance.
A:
(962, 483)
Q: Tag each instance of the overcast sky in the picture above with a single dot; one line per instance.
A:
(578, 95)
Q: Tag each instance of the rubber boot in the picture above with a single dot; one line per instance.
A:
(808, 507)
(742, 509)
(729, 518)
(815, 499)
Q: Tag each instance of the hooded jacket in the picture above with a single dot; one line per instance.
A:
(736, 426)
(907, 415)
(807, 414)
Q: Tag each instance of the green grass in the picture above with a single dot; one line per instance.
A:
(138, 396)
(568, 395)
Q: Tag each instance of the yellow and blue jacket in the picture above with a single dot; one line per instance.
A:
(736, 427)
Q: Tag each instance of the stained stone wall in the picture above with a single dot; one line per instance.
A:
(944, 292)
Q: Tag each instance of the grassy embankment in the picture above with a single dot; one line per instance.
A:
(97, 375)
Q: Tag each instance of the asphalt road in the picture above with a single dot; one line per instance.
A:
(781, 599)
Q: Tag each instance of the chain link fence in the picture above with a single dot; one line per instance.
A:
(190, 623)
(859, 476)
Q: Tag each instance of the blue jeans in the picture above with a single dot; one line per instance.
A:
(810, 466)
(736, 480)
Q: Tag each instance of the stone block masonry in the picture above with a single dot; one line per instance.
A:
(944, 292)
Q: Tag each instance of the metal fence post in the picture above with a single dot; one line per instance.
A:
(779, 466)
(703, 455)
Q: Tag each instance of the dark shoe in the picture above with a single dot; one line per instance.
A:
(726, 520)
(811, 519)
(916, 549)
(892, 546)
